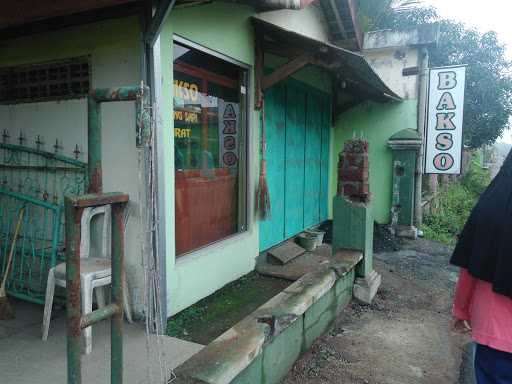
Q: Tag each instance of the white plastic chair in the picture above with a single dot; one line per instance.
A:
(95, 273)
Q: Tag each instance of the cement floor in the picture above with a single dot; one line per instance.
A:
(26, 359)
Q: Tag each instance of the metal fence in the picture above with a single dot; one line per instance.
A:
(37, 180)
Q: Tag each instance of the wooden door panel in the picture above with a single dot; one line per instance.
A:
(312, 174)
(295, 144)
(324, 170)
(272, 230)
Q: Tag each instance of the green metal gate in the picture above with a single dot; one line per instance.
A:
(37, 180)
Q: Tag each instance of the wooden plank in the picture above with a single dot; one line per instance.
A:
(313, 160)
(259, 63)
(272, 230)
(43, 25)
(285, 252)
(204, 74)
(285, 71)
(25, 11)
(94, 200)
(325, 157)
(355, 23)
(295, 143)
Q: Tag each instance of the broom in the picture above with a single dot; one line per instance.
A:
(6, 311)
(262, 194)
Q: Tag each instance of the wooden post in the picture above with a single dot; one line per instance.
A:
(259, 67)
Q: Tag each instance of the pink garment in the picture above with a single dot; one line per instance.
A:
(489, 313)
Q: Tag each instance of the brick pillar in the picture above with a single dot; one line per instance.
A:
(352, 218)
(353, 171)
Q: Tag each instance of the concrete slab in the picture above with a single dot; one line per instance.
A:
(264, 345)
(26, 359)
(366, 288)
(319, 259)
(284, 253)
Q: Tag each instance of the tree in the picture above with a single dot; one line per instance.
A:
(488, 102)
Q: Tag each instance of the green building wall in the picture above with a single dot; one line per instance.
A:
(227, 29)
(375, 123)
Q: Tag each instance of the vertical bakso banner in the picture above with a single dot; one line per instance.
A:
(443, 147)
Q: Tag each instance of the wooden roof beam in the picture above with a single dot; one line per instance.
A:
(286, 70)
(337, 16)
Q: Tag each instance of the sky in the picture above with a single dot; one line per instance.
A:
(485, 16)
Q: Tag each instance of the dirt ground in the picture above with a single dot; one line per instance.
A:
(404, 337)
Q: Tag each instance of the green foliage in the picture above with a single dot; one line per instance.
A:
(476, 179)
(177, 325)
(487, 105)
(454, 208)
(455, 205)
(488, 102)
(379, 14)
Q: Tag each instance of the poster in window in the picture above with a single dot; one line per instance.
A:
(228, 114)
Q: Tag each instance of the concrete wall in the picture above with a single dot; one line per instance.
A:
(115, 56)
(309, 21)
(376, 123)
(388, 64)
(225, 28)
(249, 352)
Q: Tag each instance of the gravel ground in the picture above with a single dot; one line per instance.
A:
(404, 337)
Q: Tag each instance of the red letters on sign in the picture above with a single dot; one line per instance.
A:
(444, 141)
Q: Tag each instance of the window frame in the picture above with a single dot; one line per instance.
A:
(246, 158)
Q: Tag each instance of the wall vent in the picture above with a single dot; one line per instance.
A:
(56, 80)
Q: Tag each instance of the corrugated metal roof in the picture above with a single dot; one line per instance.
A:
(349, 67)
(342, 23)
(22, 12)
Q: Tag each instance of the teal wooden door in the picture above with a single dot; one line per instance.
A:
(297, 136)
(272, 230)
(325, 157)
(313, 155)
(294, 175)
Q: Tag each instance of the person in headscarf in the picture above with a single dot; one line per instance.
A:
(483, 296)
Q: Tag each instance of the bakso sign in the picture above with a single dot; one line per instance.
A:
(443, 147)
(228, 133)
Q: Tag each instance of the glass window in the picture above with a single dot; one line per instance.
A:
(210, 150)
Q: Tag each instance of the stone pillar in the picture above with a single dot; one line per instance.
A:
(352, 218)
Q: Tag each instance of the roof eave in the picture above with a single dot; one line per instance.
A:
(353, 66)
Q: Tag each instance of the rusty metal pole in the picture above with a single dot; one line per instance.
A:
(422, 120)
(73, 214)
(73, 301)
(94, 169)
(116, 332)
(75, 321)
